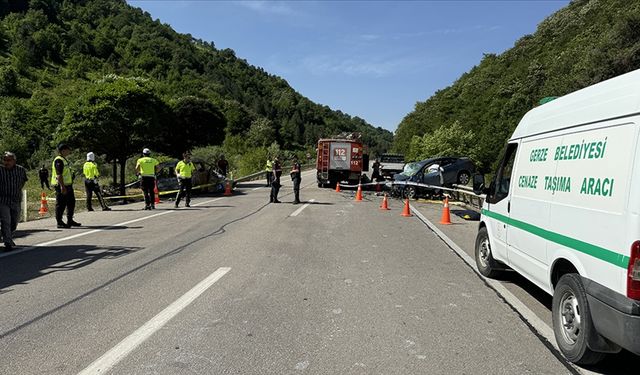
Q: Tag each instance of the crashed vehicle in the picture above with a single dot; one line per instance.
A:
(440, 171)
(204, 174)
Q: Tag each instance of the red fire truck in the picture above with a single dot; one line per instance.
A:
(341, 160)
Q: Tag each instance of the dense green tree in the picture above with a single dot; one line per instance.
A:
(261, 133)
(117, 117)
(195, 122)
(8, 80)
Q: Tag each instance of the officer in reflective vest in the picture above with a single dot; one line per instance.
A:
(184, 171)
(276, 172)
(268, 169)
(296, 177)
(62, 179)
(146, 168)
(91, 174)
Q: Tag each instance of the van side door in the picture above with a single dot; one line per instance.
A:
(499, 204)
(531, 195)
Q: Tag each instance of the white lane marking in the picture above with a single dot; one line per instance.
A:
(538, 324)
(297, 212)
(49, 243)
(258, 188)
(103, 364)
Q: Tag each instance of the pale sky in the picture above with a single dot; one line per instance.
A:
(372, 59)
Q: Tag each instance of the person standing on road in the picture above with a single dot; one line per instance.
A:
(268, 168)
(91, 174)
(296, 177)
(276, 172)
(184, 171)
(43, 173)
(62, 179)
(12, 180)
(223, 166)
(146, 169)
(375, 175)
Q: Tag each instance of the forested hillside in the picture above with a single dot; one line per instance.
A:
(580, 45)
(105, 75)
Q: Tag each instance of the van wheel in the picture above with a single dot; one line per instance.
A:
(572, 324)
(487, 266)
(464, 177)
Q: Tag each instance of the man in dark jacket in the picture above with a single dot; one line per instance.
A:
(296, 177)
(275, 181)
(12, 180)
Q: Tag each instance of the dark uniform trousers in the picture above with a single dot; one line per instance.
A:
(296, 188)
(148, 185)
(269, 178)
(275, 188)
(185, 190)
(65, 201)
(91, 187)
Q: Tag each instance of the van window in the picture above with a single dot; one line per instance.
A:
(503, 176)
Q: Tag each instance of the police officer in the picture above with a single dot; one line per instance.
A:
(268, 168)
(146, 168)
(184, 171)
(276, 172)
(296, 177)
(91, 174)
(62, 179)
(43, 174)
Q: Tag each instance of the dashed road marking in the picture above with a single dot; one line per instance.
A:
(103, 364)
(299, 210)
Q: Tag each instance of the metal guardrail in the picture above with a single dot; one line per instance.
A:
(262, 174)
(466, 195)
(460, 193)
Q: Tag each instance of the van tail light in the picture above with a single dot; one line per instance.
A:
(633, 272)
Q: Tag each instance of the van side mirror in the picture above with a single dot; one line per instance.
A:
(478, 184)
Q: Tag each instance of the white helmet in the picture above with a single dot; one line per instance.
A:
(91, 156)
(146, 151)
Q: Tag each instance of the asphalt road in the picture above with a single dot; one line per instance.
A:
(234, 285)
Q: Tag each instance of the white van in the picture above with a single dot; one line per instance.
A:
(564, 211)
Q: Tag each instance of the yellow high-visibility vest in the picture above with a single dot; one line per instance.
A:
(147, 166)
(67, 179)
(90, 170)
(185, 169)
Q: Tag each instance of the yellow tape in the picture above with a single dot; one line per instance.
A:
(160, 193)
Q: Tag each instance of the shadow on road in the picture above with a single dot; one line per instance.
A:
(613, 364)
(22, 233)
(248, 185)
(108, 227)
(24, 267)
(319, 203)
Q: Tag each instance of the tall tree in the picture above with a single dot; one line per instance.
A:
(117, 117)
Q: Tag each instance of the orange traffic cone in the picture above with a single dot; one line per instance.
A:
(359, 193)
(446, 215)
(227, 188)
(44, 208)
(406, 211)
(156, 192)
(337, 187)
(385, 203)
